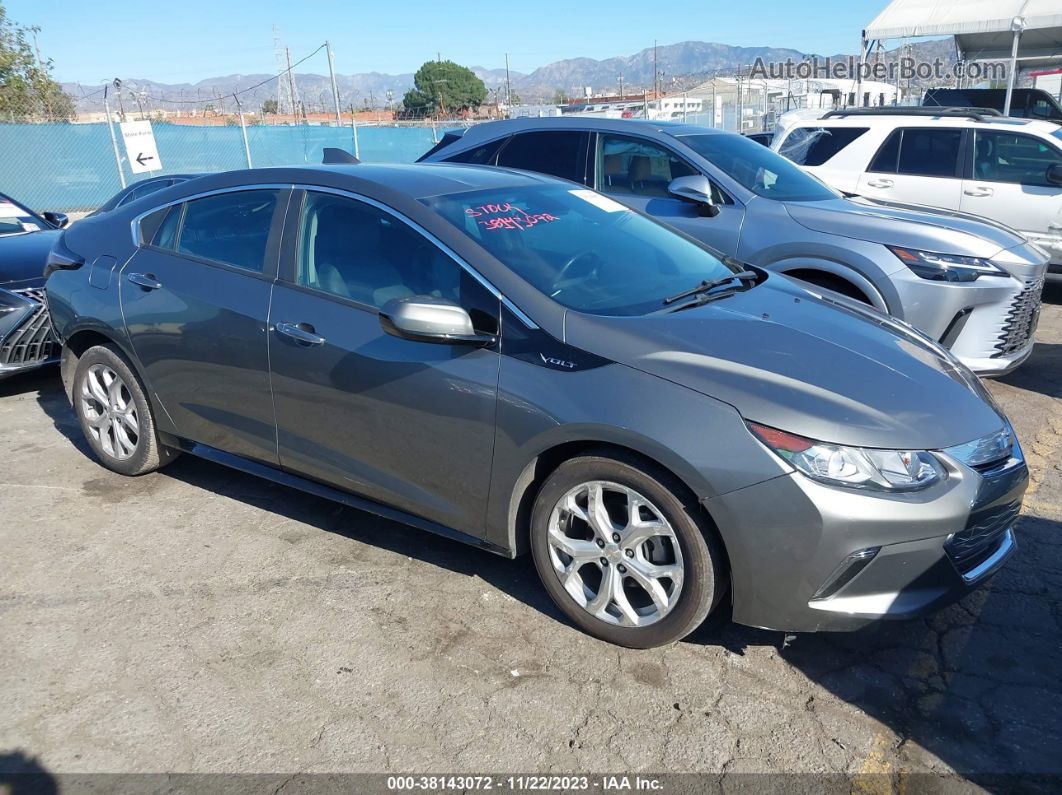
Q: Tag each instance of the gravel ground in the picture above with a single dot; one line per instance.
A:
(200, 620)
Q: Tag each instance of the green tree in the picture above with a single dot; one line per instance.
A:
(560, 96)
(270, 106)
(27, 90)
(444, 87)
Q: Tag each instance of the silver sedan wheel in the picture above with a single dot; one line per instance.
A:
(615, 554)
(109, 409)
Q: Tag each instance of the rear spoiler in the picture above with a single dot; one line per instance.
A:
(447, 139)
(335, 156)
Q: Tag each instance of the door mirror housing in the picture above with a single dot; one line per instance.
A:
(697, 190)
(58, 220)
(426, 319)
(1054, 173)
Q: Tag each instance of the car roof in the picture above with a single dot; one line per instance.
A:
(899, 120)
(493, 129)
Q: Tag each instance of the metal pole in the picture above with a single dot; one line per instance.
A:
(508, 88)
(685, 104)
(243, 131)
(114, 141)
(1016, 25)
(354, 131)
(862, 60)
(335, 90)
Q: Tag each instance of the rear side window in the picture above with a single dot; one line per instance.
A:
(231, 228)
(479, 155)
(919, 152)
(813, 146)
(560, 153)
(141, 191)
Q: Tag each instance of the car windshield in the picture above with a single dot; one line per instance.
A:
(15, 219)
(763, 171)
(584, 250)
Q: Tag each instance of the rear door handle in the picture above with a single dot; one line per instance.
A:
(880, 183)
(978, 191)
(300, 332)
(145, 280)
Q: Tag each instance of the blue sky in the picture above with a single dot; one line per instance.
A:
(92, 40)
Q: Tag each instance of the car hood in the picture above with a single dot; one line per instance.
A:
(23, 257)
(911, 226)
(786, 358)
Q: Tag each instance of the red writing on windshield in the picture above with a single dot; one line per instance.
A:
(506, 216)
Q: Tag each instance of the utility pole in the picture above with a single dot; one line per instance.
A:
(291, 87)
(656, 74)
(335, 90)
(508, 88)
(621, 88)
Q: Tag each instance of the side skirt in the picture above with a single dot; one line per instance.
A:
(336, 495)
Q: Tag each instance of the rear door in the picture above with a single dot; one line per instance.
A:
(406, 423)
(637, 172)
(917, 165)
(1008, 182)
(196, 299)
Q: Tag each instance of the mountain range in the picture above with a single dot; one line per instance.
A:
(680, 66)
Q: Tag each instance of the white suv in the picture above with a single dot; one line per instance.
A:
(974, 161)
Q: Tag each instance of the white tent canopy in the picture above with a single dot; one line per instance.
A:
(983, 29)
(1029, 31)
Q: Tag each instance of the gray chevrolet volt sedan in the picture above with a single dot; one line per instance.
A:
(524, 364)
(969, 283)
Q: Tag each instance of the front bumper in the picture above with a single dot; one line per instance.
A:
(26, 337)
(806, 557)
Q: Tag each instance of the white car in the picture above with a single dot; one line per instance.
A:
(1005, 169)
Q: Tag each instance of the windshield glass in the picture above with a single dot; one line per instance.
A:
(15, 219)
(584, 250)
(763, 171)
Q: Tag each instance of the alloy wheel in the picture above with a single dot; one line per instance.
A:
(615, 554)
(110, 412)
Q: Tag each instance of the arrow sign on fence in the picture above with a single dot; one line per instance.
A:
(140, 147)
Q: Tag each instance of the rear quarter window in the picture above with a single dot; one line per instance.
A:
(813, 146)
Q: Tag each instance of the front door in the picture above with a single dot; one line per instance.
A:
(637, 172)
(196, 299)
(409, 424)
(1009, 184)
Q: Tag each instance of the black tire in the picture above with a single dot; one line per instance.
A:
(148, 452)
(705, 578)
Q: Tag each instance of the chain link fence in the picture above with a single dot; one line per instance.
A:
(71, 157)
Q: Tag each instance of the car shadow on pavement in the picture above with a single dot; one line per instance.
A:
(21, 774)
(1042, 372)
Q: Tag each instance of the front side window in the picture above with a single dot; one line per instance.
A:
(230, 228)
(353, 250)
(1014, 158)
(813, 146)
(15, 219)
(141, 191)
(480, 155)
(560, 153)
(759, 169)
(636, 167)
(920, 152)
(584, 250)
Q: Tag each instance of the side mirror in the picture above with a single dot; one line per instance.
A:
(424, 319)
(1054, 173)
(58, 220)
(697, 190)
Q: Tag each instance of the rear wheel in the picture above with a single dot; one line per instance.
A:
(623, 554)
(115, 414)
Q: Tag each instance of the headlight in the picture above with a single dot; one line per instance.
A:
(854, 467)
(946, 267)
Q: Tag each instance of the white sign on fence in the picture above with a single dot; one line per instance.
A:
(140, 147)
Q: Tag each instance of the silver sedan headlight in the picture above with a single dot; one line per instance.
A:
(946, 267)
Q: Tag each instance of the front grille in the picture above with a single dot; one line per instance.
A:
(31, 341)
(975, 543)
(1020, 322)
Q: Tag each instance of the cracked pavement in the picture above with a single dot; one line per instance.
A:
(201, 620)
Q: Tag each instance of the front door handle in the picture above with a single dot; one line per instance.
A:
(980, 190)
(145, 280)
(300, 332)
(880, 183)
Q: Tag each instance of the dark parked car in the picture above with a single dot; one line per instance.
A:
(25, 332)
(139, 190)
(521, 363)
(1025, 103)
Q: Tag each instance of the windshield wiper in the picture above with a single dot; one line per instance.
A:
(710, 284)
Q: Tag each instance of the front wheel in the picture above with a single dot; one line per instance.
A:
(115, 414)
(624, 556)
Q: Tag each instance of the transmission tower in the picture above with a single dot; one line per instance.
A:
(287, 98)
